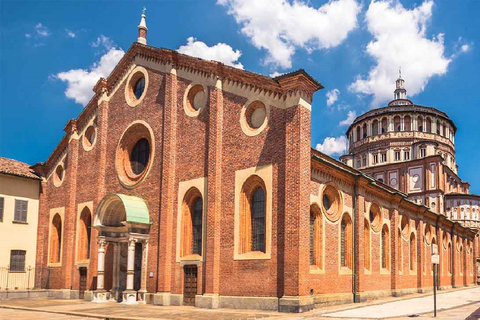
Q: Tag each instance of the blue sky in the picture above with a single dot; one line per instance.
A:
(51, 52)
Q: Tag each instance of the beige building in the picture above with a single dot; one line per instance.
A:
(19, 195)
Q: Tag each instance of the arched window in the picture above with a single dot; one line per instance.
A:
(192, 218)
(438, 127)
(408, 123)
(396, 123)
(385, 248)
(375, 127)
(429, 125)
(84, 234)
(413, 253)
(316, 237)
(449, 258)
(56, 239)
(364, 130)
(420, 123)
(346, 242)
(460, 257)
(384, 125)
(258, 220)
(400, 250)
(366, 233)
(358, 134)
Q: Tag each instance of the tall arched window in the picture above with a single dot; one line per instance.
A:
(366, 236)
(358, 134)
(400, 251)
(449, 258)
(252, 232)
(346, 242)
(429, 125)
(375, 127)
(258, 220)
(396, 123)
(56, 239)
(408, 123)
(316, 237)
(438, 127)
(420, 123)
(384, 125)
(84, 234)
(192, 219)
(385, 248)
(364, 128)
(413, 253)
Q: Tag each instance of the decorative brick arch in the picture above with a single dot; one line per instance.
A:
(55, 239)
(346, 245)
(316, 236)
(84, 235)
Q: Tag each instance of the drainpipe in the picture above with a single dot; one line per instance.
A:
(355, 244)
(452, 254)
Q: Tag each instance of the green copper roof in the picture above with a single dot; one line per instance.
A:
(135, 207)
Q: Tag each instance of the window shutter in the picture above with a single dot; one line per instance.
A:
(1, 209)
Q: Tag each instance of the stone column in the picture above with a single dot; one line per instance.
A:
(144, 271)
(101, 243)
(115, 274)
(130, 263)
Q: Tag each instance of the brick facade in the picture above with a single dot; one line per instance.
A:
(213, 146)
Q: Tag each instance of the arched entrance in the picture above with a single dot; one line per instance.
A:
(123, 222)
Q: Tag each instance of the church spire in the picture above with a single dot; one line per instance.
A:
(142, 29)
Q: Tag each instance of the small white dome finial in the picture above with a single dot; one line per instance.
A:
(142, 29)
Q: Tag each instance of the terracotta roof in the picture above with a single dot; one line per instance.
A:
(17, 168)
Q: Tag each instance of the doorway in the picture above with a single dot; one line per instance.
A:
(82, 283)
(190, 285)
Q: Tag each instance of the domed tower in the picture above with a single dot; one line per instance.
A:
(408, 147)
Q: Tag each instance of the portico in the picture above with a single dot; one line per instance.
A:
(123, 224)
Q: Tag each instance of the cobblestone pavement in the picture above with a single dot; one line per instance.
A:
(462, 304)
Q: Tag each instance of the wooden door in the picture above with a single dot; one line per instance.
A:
(190, 285)
(83, 282)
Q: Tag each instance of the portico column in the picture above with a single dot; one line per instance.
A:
(101, 263)
(130, 263)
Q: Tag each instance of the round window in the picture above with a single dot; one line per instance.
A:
(134, 154)
(139, 87)
(331, 203)
(139, 156)
(58, 175)
(89, 137)
(196, 98)
(256, 115)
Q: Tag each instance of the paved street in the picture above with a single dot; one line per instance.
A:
(455, 305)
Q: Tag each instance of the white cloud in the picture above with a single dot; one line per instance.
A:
(220, 52)
(28, 35)
(275, 74)
(80, 82)
(400, 41)
(465, 48)
(42, 30)
(70, 33)
(350, 117)
(332, 96)
(280, 26)
(103, 41)
(333, 146)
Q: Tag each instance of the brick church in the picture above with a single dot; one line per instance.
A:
(189, 182)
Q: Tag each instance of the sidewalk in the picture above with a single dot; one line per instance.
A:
(411, 307)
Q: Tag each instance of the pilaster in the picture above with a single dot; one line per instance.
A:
(394, 248)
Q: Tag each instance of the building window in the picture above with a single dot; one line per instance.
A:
(460, 257)
(407, 123)
(397, 156)
(17, 260)
(139, 87)
(253, 210)
(406, 155)
(420, 124)
(384, 125)
(55, 239)
(84, 236)
(258, 220)
(384, 157)
(449, 258)
(385, 248)
(359, 163)
(375, 158)
(316, 237)
(396, 122)
(423, 152)
(192, 223)
(2, 203)
(366, 235)
(20, 211)
(364, 161)
(346, 242)
(140, 156)
(413, 254)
